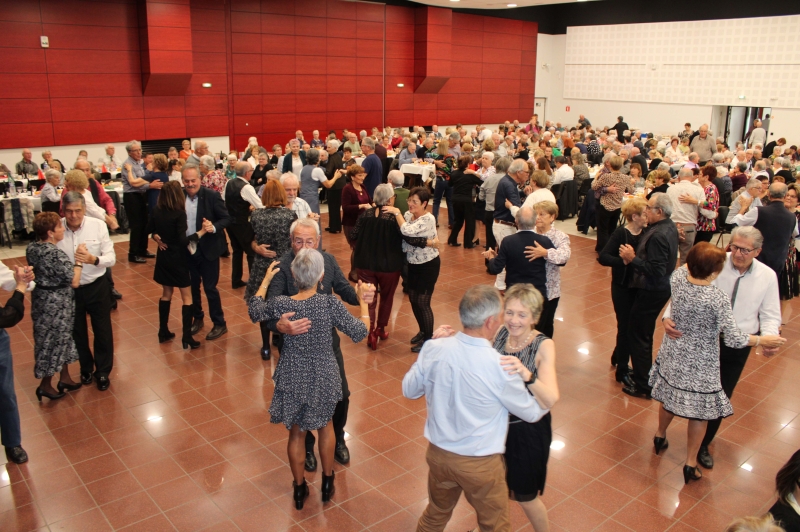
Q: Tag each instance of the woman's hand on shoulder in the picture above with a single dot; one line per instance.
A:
(444, 331)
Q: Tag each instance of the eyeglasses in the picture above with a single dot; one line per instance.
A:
(743, 251)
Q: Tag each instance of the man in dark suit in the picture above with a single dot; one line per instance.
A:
(204, 208)
(620, 127)
(511, 255)
(637, 157)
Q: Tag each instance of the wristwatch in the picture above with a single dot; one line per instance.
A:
(96, 261)
(532, 380)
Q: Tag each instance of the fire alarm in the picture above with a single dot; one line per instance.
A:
(45, 41)
(568, 108)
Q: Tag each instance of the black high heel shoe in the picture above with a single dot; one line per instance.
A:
(300, 494)
(660, 444)
(68, 387)
(165, 336)
(190, 342)
(691, 473)
(328, 489)
(41, 393)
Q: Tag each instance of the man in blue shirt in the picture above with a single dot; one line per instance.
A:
(372, 165)
(507, 189)
(469, 397)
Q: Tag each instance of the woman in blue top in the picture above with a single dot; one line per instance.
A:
(159, 173)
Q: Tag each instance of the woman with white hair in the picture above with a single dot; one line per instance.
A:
(295, 160)
(485, 167)
(307, 380)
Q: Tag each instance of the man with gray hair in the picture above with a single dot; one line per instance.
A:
(687, 200)
(775, 222)
(454, 147)
(135, 187)
(503, 222)
(703, 145)
(469, 397)
(108, 160)
(750, 197)
(372, 166)
(200, 149)
(487, 193)
(86, 241)
(352, 142)
(653, 262)
(396, 179)
(240, 198)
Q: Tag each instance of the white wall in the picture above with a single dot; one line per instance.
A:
(68, 154)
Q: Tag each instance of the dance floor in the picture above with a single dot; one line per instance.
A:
(182, 440)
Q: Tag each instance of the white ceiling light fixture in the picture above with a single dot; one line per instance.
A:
(206, 85)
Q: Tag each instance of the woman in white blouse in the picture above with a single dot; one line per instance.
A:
(674, 152)
(485, 168)
(423, 263)
(556, 258)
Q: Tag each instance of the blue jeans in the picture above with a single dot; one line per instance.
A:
(443, 189)
(9, 413)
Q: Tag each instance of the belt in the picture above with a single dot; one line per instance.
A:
(503, 222)
(57, 287)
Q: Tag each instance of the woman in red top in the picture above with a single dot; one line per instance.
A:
(355, 200)
(187, 150)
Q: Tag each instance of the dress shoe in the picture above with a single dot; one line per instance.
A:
(468, 246)
(342, 453)
(115, 294)
(216, 332)
(477, 242)
(372, 340)
(704, 458)
(86, 378)
(327, 488)
(225, 254)
(336, 232)
(300, 494)
(197, 324)
(61, 386)
(276, 339)
(114, 304)
(16, 454)
(691, 473)
(52, 396)
(328, 229)
(149, 255)
(165, 336)
(137, 260)
(417, 338)
(625, 377)
(454, 244)
(418, 347)
(103, 383)
(238, 284)
(635, 391)
(660, 444)
(265, 355)
(310, 464)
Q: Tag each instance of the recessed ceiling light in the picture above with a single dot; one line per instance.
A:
(511, 5)
(206, 85)
(401, 85)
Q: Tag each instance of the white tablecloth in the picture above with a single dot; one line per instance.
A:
(426, 171)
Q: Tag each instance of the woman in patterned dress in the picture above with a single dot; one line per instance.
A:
(444, 165)
(708, 209)
(272, 239)
(52, 306)
(789, 279)
(307, 380)
(685, 376)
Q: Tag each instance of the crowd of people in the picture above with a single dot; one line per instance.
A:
(489, 388)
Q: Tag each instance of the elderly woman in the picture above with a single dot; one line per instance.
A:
(379, 257)
(685, 376)
(52, 306)
(708, 208)
(47, 155)
(789, 279)
(610, 188)
(423, 263)
(539, 192)
(580, 168)
(659, 180)
(295, 160)
(355, 200)
(485, 168)
(311, 177)
(187, 150)
(623, 293)
(76, 181)
(260, 170)
(307, 380)
(271, 239)
(50, 197)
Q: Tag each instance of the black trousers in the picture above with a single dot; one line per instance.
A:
(463, 215)
(136, 209)
(647, 305)
(335, 209)
(703, 236)
(202, 270)
(94, 299)
(488, 222)
(622, 298)
(606, 224)
(241, 236)
(731, 364)
(545, 325)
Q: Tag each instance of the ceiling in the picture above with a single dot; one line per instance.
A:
(492, 4)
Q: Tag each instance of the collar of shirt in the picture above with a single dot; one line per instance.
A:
(472, 340)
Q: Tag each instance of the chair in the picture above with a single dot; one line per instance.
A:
(105, 177)
(723, 228)
(5, 236)
(568, 200)
(36, 184)
(585, 188)
(51, 206)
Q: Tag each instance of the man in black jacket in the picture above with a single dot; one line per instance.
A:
(10, 431)
(653, 263)
(335, 192)
(204, 208)
(620, 128)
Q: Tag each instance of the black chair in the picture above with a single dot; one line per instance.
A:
(51, 206)
(36, 184)
(585, 188)
(20, 185)
(723, 228)
(568, 200)
(557, 190)
(105, 177)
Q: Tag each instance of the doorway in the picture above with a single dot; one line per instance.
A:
(540, 108)
(740, 123)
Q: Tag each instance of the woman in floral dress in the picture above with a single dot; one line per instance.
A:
(707, 215)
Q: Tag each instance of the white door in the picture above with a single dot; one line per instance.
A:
(540, 108)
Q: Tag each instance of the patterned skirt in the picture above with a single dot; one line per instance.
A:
(688, 403)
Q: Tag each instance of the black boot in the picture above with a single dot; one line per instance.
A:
(188, 341)
(164, 335)
(327, 488)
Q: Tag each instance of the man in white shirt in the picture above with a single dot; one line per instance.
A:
(751, 196)
(469, 397)
(753, 290)
(687, 197)
(300, 207)
(86, 241)
(564, 172)
(108, 160)
(240, 198)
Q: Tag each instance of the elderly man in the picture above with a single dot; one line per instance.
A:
(583, 122)
(301, 208)
(760, 169)
(751, 197)
(305, 234)
(316, 142)
(653, 262)
(564, 172)
(753, 291)
(212, 178)
(240, 198)
(200, 149)
(637, 157)
(511, 255)
(703, 145)
(469, 398)
(372, 165)
(487, 193)
(504, 222)
(396, 179)
(687, 198)
(427, 146)
(454, 147)
(135, 187)
(334, 193)
(26, 165)
(775, 222)
(693, 161)
(435, 132)
(205, 209)
(109, 161)
(86, 241)
(352, 143)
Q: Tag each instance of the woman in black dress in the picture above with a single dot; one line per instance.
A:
(272, 239)
(52, 306)
(159, 173)
(463, 181)
(168, 227)
(259, 176)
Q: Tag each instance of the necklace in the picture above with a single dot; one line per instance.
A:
(520, 346)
